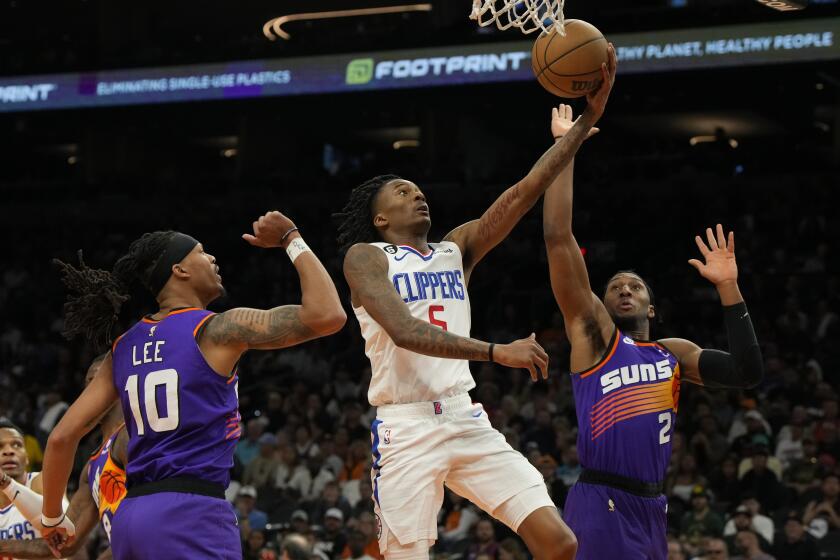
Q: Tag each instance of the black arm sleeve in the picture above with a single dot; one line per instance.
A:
(742, 366)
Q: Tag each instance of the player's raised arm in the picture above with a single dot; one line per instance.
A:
(478, 237)
(366, 270)
(588, 325)
(743, 365)
(233, 332)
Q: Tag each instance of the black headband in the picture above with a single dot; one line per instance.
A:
(179, 247)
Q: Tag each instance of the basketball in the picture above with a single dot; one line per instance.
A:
(112, 487)
(570, 66)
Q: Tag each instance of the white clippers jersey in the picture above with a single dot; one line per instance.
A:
(433, 287)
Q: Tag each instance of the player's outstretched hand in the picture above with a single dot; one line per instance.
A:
(598, 99)
(719, 256)
(562, 121)
(59, 536)
(269, 230)
(524, 353)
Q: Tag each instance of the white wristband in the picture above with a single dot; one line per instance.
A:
(296, 248)
(50, 522)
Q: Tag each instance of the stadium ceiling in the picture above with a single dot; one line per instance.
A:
(37, 36)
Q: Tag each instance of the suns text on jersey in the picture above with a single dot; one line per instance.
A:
(443, 284)
(635, 373)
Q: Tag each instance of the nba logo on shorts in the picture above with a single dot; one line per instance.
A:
(438, 407)
(387, 438)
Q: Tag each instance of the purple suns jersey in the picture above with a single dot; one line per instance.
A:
(182, 417)
(626, 407)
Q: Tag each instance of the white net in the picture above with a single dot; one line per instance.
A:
(526, 15)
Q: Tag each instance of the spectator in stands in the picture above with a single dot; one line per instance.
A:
(556, 488)
(368, 526)
(365, 503)
(299, 522)
(510, 549)
(724, 482)
(793, 542)
(317, 475)
(681, 483)
(483, 541)
(749, 547)
(248, 447)
(742, 521)
(357, 461)
(569, 471)
(826, 506)
(253, 545)
(701, 521)
(262, 470)
(709, 445)
(762, 482)
(296, 547)
(291, 475)
(459, 516)
(356, 546)
(756, 431)
(331, 539)
(330, 498)
(675, 549)
(249, 517)
(803, 474)
(305, 445)
(714, 549)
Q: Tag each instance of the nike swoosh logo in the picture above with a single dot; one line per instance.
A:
(17, 493)
(477, 414)
(745, 315)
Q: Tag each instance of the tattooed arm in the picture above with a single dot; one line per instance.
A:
(478, 237)
(366, 270)
(228, 335)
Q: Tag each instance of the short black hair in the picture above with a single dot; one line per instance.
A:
(9, 425)
(636, 274)
(357, 215)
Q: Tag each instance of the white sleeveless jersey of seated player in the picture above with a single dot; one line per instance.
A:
(433, 286)
(14, 526)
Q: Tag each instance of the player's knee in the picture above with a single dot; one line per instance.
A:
(556, 543)
(567, 544)
(418, 550)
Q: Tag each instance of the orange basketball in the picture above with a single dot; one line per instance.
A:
(112, 487)
(570, 66)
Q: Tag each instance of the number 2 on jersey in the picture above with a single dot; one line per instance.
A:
(434, 320)
(168, 378)
(664, 436)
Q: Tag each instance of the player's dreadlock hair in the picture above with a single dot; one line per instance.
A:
(96, 296)
(357, 215)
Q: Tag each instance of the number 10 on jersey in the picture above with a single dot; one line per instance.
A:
(166, 378)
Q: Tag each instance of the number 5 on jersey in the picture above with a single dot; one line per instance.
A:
(434, 320)
(168, 379)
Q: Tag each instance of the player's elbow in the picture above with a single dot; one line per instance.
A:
(567, 548)
(59, 438)
(556, 235)
(332, 321)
